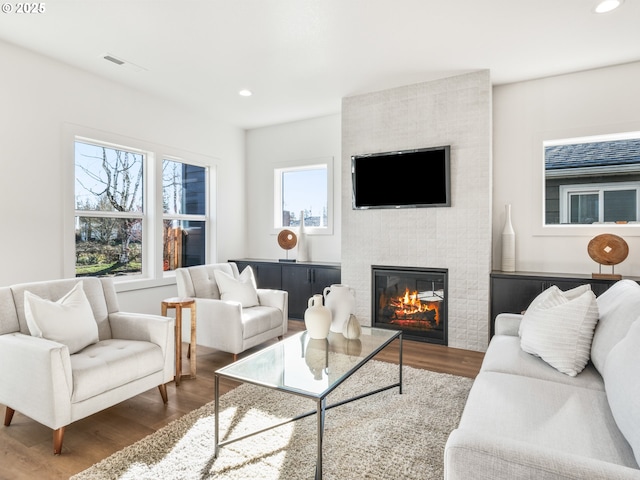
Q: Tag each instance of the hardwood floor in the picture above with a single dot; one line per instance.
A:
(26, 446)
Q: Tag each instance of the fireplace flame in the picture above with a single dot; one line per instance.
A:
(410, 304)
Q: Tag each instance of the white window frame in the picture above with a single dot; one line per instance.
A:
(153, 274)
(301, 165)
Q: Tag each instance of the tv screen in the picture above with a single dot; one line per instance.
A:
(402, 179)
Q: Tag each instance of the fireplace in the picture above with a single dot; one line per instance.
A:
(411, 299)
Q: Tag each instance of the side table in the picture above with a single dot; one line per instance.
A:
(179, 303)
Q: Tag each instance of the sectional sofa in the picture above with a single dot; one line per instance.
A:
(533, 416)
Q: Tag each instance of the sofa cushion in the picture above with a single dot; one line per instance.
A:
(619, 307)
(112, 363)
(564, 418)
(559, 328)
(260, 319)
(68, 320)
(8, 317)
(622, 373)
(505, 355)
(241, 290)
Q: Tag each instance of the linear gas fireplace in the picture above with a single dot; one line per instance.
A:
(411, 299)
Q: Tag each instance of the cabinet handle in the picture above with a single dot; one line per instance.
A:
(308, 275)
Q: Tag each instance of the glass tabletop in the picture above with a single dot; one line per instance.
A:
(307, 366)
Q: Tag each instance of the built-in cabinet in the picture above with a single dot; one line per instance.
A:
(300, 279)
(513, 292)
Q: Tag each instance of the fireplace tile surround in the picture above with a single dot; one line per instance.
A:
(452, 111)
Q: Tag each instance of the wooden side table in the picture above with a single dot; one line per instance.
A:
(179, 303)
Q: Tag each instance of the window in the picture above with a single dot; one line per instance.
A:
(184, 199)
(117, 221)
(109, 210)
(597, 203)
(303, 190)
(593, 180)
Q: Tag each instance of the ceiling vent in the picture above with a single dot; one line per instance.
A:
(113, 59)
(122, 62)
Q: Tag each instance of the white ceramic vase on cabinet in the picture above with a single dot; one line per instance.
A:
(508, 243)
(303, 247)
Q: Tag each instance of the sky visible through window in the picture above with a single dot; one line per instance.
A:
(91, 178)
(305, 190)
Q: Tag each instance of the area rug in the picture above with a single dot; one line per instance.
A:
(385, 436)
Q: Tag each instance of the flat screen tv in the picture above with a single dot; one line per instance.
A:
(402, 179)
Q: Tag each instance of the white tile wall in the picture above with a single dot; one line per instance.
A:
(454, 111)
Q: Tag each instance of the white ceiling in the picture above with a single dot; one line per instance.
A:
(300, 57)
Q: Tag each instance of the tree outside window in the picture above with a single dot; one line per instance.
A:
(109, 210)
(112, 225)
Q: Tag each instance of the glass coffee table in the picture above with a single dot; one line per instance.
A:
(309, 368)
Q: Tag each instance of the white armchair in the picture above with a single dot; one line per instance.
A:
(40, 378)
(230, 325)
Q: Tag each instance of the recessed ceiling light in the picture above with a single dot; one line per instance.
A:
(605, 6)
(245, 93)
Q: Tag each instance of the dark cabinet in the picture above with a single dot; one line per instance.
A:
(267, 275)
(301, 280)
(513, 292)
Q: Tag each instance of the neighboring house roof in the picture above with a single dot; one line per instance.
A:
(595, 154)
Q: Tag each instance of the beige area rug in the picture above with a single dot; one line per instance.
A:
(384, 436)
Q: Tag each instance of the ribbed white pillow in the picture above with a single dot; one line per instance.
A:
(552, 296)
(69, 321)
(559, 328)
(242, 290)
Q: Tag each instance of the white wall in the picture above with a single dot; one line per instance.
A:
(453, 111)
(273, 146)
(586, 103)
(38, 98)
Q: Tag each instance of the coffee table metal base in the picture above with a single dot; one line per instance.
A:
(321, 408)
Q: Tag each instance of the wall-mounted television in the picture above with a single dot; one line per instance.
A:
(402, 179)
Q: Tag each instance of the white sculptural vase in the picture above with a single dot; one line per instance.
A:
(508, 243)
(352, 329)
(341, 301)
(303, 247)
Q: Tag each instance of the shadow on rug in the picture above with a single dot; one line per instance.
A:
(385, 436)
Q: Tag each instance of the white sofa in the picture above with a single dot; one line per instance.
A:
(525, 420)
(39, 377)
(226, 320)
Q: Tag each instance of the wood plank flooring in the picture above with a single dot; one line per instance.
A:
(26, 446)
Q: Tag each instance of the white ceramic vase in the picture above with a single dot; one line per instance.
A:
(341, 300)
(352, 329)
(317, 318)
(303, 247)
(508, 243)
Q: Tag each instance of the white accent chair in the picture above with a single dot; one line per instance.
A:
(42, 380)
(226, 325)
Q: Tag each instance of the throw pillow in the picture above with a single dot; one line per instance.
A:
(69, 321)
(559, 329)
(241, 290)
(550, 297)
